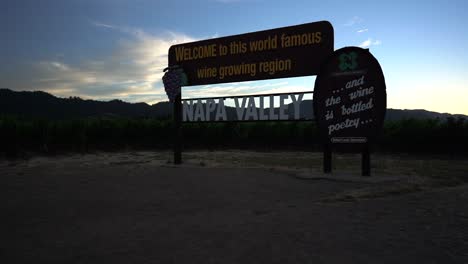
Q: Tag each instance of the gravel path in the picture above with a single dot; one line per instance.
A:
(85, 210)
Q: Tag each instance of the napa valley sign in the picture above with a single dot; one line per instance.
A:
(245, 108)
(349, 99)
(276, 53)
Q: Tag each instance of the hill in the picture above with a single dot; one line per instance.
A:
(45, 105)
(42, 104)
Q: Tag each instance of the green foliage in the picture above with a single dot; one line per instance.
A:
(430, 136)
(83, 135)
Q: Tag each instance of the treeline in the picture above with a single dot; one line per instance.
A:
(22, 135)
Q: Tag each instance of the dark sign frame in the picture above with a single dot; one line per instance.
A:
(276, 53)
(348, 90)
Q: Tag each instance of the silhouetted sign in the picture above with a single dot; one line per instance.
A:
(271, 107)
(276, 53)
(349, 97)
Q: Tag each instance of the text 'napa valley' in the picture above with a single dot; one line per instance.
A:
(248, 108)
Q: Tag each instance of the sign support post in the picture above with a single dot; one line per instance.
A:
(178, 130)
(365, 161)
(327, 158)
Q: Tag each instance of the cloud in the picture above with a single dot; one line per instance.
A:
(353, 21)
(370, 42)
(131, 70)
(362, 30)
(99, 24)
(232, 89)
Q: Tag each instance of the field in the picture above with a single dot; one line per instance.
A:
(233, 207)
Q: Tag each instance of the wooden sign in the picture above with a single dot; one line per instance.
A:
(276, 53)
(350, 97)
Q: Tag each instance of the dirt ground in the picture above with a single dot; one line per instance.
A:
(232, 207)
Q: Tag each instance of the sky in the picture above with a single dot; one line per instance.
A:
(117, 49)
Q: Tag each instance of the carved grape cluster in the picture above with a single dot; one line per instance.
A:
(173, 80)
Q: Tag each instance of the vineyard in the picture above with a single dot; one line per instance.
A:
(20, 135)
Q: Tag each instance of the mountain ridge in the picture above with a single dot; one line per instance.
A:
(45, 105)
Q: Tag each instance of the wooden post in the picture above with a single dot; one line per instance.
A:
(177, 130)
(327, 158)
(365, 160)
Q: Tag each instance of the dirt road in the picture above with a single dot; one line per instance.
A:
(115, 208)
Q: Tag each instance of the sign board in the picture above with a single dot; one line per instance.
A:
(350, 97)
(277, 53)
(271, 107)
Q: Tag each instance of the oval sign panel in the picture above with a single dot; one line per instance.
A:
(349, 97)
